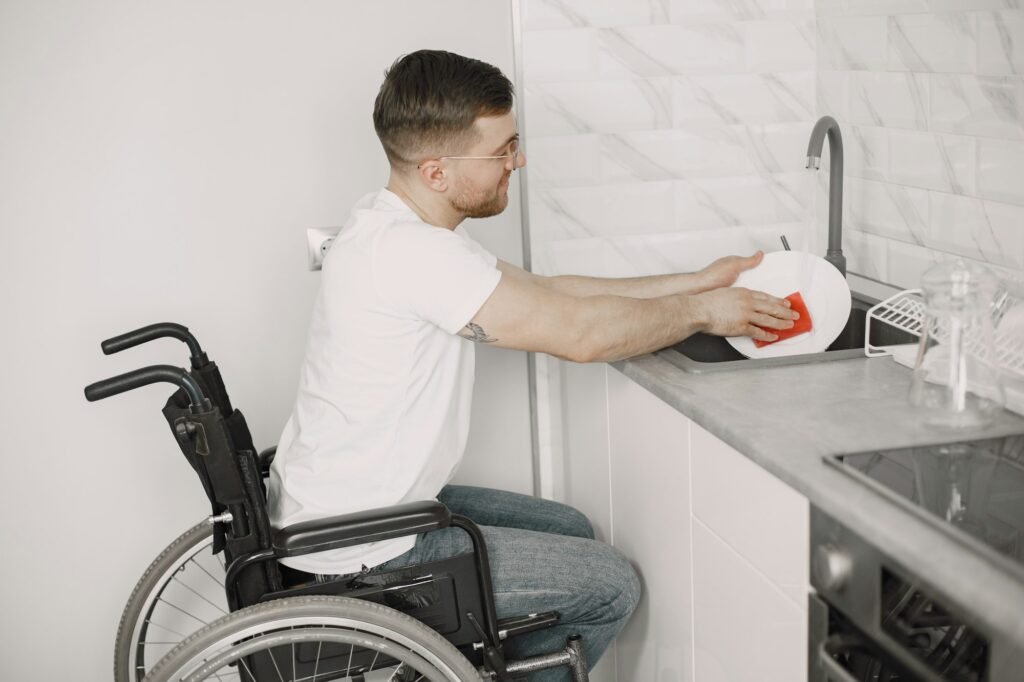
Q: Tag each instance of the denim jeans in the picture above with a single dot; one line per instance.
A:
(543, 557)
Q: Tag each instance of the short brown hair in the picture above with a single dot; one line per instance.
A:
(429, 101)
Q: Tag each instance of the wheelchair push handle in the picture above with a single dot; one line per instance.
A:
(156, 331)
(149, 375)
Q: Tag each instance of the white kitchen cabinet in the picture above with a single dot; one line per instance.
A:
(764, 520)
(720, 544)
(650, 504)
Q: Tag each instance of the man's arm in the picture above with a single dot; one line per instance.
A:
(524, 314)
(722, 273)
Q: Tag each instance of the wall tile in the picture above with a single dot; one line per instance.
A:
(893, 100)
(866, 254)
(564, 161)
(779, 45)
(778, 147)
(561, 55)
(1001, 43)
(975, 105)
(648, 51)
(886, 6)
(712, 152)
(908, 262)
(982, 230)
(825, 8)
(581, 212)
(886, 210)
(932, 161)
(736, 201)
(692, 11)
(728, 99)
(1000, 170)
(866, 151)
(852, 42)
(542, 14)
(936, 43)
(600, 106)
(833, 88)
(965, 5)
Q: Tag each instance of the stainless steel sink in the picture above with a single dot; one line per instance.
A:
(702, 353)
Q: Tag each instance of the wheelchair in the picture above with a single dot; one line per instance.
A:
(432, 621)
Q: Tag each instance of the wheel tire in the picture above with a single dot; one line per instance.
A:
(132, 627)
(284, 620)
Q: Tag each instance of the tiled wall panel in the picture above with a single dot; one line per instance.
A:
(664, 120)
(930, 98)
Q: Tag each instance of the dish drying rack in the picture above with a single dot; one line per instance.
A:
(905, 311)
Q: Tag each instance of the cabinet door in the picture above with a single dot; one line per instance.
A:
(650, 507)
(750, 550)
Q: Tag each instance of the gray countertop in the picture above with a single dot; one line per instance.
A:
(786, 419)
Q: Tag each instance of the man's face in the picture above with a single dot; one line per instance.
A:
(480, 186)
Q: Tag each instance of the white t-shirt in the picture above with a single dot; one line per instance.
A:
(382, 412)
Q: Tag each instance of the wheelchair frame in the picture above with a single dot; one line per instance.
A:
(204, 422)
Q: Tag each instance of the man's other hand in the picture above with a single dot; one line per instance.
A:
(724, 271)
(737, 311)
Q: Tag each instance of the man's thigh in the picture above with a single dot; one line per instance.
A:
(500, 508)
(534, 571)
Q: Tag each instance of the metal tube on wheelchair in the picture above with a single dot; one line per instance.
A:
(159, 330)
(149, 375)
(484, 571)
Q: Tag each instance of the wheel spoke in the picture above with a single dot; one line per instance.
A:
(193, 591)
(214, 578)
(159, 625)
(183, 611)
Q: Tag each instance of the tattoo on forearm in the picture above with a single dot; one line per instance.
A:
(476, 333)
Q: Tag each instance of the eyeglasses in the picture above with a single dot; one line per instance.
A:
(515, 153)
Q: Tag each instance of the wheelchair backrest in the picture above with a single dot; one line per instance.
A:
(220, 451)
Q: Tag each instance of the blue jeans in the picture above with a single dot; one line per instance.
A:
(543, 557)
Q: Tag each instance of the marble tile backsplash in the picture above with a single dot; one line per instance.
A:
(655, 125)
(932, 115)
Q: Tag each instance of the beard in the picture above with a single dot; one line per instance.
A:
(480, 204)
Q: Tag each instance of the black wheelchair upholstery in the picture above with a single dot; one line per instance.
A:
(453, 596)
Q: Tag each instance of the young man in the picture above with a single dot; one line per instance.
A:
(382, 412)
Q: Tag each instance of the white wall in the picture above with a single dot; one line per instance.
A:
(160, 161)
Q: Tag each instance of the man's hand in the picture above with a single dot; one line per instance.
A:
(737, 311)
(724, 271)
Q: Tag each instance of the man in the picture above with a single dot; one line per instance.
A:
(382, 412)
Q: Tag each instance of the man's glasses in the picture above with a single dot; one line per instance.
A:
(514, 152)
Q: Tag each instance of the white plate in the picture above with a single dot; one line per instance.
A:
(824, 289)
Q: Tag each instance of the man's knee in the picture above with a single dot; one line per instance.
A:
(579, 524)
(616, 584)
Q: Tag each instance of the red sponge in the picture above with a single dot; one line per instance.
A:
(796, 302)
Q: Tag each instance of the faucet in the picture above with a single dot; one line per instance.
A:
(827, 124)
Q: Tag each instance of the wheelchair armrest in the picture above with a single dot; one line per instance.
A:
(359, 528)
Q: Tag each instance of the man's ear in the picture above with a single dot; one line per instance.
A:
(433, 175)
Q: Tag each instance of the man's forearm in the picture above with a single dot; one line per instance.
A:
(653, 286)
(614, 327)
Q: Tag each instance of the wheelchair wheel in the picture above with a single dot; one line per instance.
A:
(316, 638)
(179, 593)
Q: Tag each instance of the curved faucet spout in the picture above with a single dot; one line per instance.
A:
(827, 125)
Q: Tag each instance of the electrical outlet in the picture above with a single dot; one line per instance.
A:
(318, 241)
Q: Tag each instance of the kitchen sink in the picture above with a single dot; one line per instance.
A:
(702, 353)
